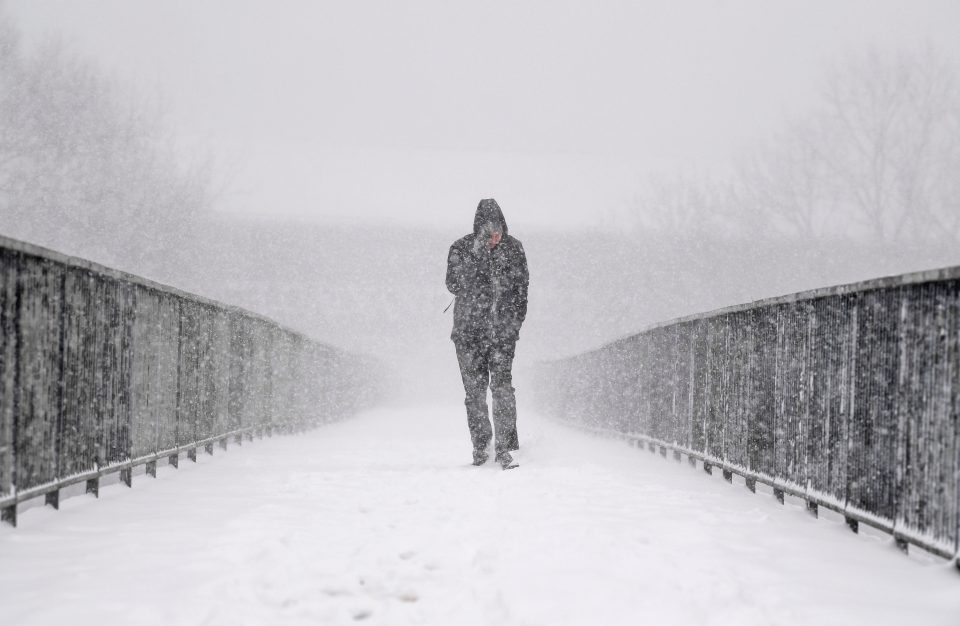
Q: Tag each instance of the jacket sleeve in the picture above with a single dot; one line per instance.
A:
(523, 283)
(455, 279)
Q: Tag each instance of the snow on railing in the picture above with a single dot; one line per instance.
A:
(847, 397)
(102, 371)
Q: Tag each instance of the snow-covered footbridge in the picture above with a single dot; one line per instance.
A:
(380, 518)
(842, 403)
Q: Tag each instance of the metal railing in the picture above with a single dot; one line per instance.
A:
(102, 371)
(846, 397)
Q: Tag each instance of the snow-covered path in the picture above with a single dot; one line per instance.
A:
(381, 520)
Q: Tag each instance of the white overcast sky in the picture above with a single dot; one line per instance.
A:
(417, 109)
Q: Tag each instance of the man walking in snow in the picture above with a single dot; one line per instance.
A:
(487, 272)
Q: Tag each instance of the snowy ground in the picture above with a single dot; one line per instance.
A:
(381, 520)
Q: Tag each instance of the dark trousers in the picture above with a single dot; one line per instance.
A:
(481, 364)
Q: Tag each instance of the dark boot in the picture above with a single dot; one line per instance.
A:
(480, 457)
(506, 461)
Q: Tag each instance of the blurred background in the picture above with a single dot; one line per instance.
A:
(314, 161)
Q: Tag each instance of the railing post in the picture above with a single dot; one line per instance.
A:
(708, 467)
(93, 486)
(752, 484)
(852, 524)
(52, 498)
(223, 443)
(901, 543)
(126, 477)
(813, 509)
(778, 494)
(151, 468)
(174, 460)
(8, 514)
(192, 454)
(208, 448)
(728, 475)
(692, 461)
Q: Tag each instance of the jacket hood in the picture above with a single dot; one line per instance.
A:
(488, 211)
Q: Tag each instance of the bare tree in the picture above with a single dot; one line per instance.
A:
(878, 159)
(84, 165)
(682, 207)
(786, 182)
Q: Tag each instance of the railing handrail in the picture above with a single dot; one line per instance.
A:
(843, 394)
(118, 370)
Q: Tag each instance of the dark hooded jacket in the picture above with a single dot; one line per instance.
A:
(490, 285)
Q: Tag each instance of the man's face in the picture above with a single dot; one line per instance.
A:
(495, 238)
